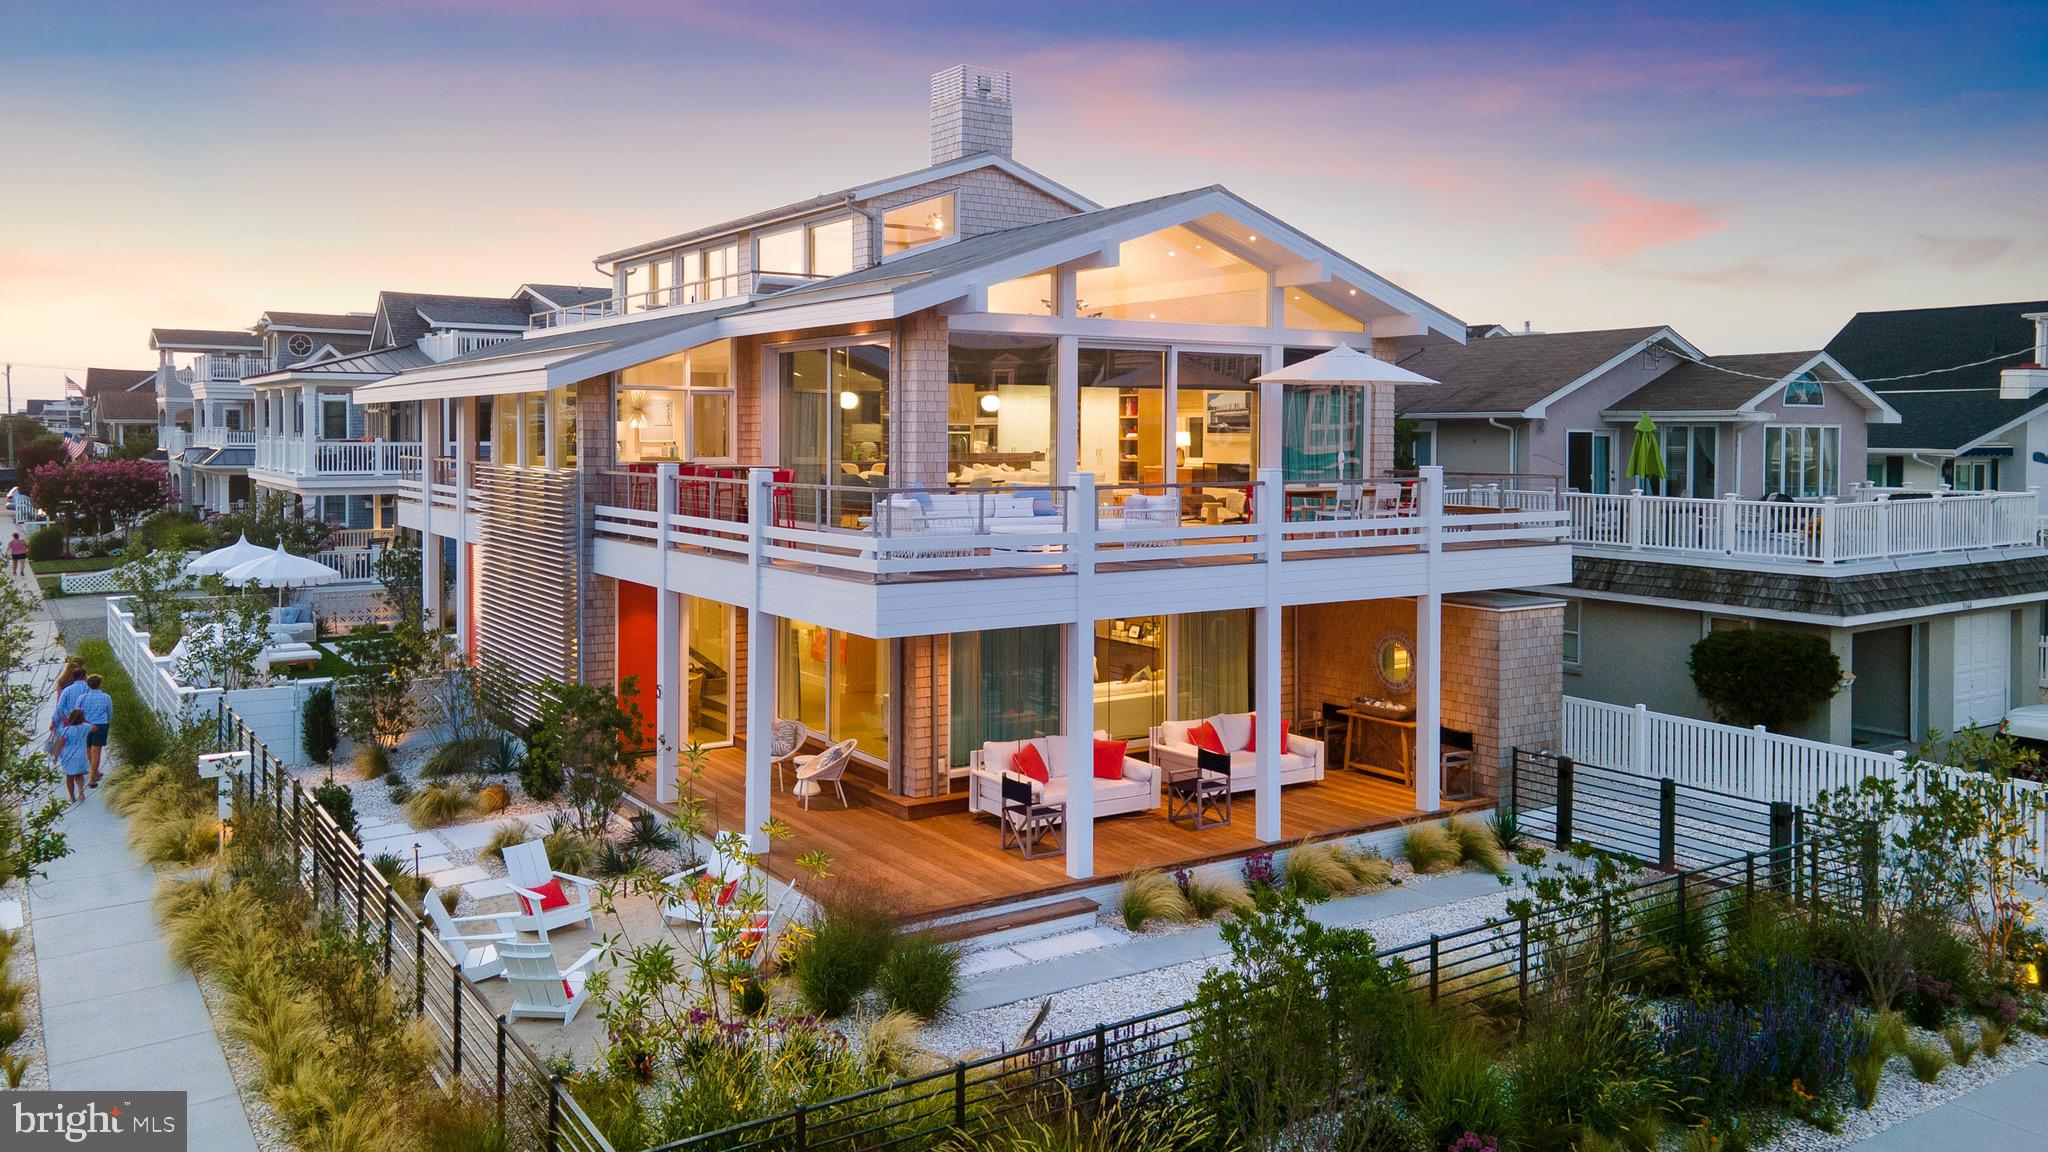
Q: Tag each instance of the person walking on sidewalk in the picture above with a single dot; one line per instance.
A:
(17, 551)
(70, 686)
(73, 739)
(98, 709)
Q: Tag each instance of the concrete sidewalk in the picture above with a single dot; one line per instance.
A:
(2007, 1115)
(117, 1013)
(1078, 959)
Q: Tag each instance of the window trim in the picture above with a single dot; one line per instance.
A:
(881, 222)
(1573, 625)
(1777, 483)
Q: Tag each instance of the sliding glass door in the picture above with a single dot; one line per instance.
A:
(835, 425)
(1005, 686)
(836, 684)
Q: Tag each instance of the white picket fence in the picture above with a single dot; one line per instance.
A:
(271, 711)
(1749, 762)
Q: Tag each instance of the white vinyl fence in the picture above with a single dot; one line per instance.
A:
(271, 711)
(1750, 762)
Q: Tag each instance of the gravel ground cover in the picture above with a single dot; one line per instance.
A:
(22, 965)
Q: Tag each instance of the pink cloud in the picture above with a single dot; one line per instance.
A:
(1628, 225)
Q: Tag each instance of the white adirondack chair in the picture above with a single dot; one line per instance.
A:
(540, 987)
(718, 878)
(476, 952)
(526, 867)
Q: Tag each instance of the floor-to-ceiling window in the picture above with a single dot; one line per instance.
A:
(835, 425)
(1803, 459)
(533, 450)
(1123, 410)
(1589, 461)
(1690, 453)
(710, 647)
(505, 414)
(1005, 686)
(1216, 432)
(999, 423)
(836, 684)
(1212, 663)
(1323, 432)
(676, 408)
(1130, 675)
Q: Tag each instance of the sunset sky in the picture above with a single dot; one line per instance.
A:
(1746, 173)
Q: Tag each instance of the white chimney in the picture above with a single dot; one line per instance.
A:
(970, 113)
(2025, 381)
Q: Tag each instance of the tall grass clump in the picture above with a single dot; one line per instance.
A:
(851, 937)
(1212, 894)
(506, 835)
(920, 977)
(1149, 895)
(1478, 846)
(1318, 871)
(1430, 848)
(441, 802)
(1928, 1060)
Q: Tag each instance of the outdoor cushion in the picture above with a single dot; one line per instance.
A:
(1204, 735)
(1028, 763)
(551, 897)
(1251, 743)
(1234, 728)
(1109, 759)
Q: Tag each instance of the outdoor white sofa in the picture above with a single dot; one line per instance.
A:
(1300, 763)
(1142, 511)
(994, 513)
(1137, 791)
(295, 621)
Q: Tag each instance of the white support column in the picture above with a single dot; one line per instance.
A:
(671, 671)
(1066, 407)
(1271, 423)
(761, 633)
(430, 544)
(310, 406)
(1266, 656)
(1429, 647)
(1077, 705)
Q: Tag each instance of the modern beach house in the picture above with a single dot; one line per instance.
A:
(1775, 511)
(955, 479)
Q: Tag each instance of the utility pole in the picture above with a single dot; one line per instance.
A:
(9, 373)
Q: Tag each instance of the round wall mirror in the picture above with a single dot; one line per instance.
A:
(1396, 662)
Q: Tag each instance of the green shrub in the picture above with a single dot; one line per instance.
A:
(10, 1028)
(616, 858)
(1927, 1060)
(46, 543)
(1866, 1071)
(1462, 1089)
(920, 977)
(1149, 895)
(1379, 1123)
(1429, 848)
(438, 803)
(651, 832)
(475, 754)
(569, 851)
(448, 1122)
(140, 738)
(1764, 676)
(1584, 1063)
(1507, 830)
(852, 936)
(14, 1065)
(340, 803)
(316, 726)
(540, 778)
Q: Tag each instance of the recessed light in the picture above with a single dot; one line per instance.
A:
(1252, 237)
(1151, 315)
(1354, 291)
(1171, 252)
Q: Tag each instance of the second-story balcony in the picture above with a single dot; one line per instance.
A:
(439, 346)
(174, 440)
(213, 437)
(717, 291)
(1877, 526)
(337, 458)
(217, 366)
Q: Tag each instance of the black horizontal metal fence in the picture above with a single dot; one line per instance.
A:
(1645, 933)
(1658, 821)
(475, 1049)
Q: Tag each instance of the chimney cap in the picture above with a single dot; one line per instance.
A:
(967, 81)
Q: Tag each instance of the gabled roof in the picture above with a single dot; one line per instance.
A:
(99, 381)
(1951, 411)
(126, 406)
(204, 340)
(337, 322)
(1520, 376)
(1732, 386)
(564, 295)
(858, 192)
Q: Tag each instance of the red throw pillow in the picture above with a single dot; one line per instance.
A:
(568, 992)
(1251, 743)
(1204, 735)
(1109, 759)
(1030, 765)
(551, 896)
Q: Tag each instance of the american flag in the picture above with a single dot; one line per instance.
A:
(75, 446)
(73, 388)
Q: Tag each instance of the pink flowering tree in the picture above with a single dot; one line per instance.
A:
(102, 493)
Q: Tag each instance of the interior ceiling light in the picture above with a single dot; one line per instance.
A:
(1253, 237)
(990, 402)
(849, 400)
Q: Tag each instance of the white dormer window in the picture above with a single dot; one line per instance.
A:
(915, 225)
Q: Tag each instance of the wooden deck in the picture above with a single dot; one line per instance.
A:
(947, 864)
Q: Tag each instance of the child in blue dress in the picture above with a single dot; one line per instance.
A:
(73, 737)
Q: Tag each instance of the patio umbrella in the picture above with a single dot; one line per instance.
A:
(220, 560)
(1343, 365)
(280, 569)
(1645, 459)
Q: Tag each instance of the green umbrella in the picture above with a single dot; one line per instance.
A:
(1644, 458)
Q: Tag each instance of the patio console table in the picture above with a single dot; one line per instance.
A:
(1360, 723)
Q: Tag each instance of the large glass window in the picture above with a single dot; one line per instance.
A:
(505, 429)
(1301, 308)
(1214, 665)
(831, 248)
(533, 449)
(781, 251)
(1323, 433)
(1803, 459)
(1216, 430)
(659, 418)
(710, 273)
(1174, 276)
(835, 424)
(710, 644)
(1033, 295)
(1689, 461)
(1589, 461)
(1005, 686)
(565, 429)
(915, 225)
(836, 684)
(999, 409)
(646, 285)
(711, 425)
(1130, 675)
(1123, 410)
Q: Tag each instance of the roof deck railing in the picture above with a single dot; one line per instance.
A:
(710, 290)
(1873, 526)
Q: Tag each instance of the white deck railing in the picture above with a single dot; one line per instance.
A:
(884, 533)
(213, 366)
(224, 438)
(1752, 762)
(333, 457)
(733, 286)
(440, 346)
(1826, 532)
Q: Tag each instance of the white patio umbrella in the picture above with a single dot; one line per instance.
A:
(280, 569)
(220, 560)
(1343, 365)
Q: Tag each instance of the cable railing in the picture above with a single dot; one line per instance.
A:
(474, 1047)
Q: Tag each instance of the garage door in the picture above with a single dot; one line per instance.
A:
(1983, 667)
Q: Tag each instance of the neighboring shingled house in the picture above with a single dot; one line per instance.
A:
(119, 403)
(1956, 429)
